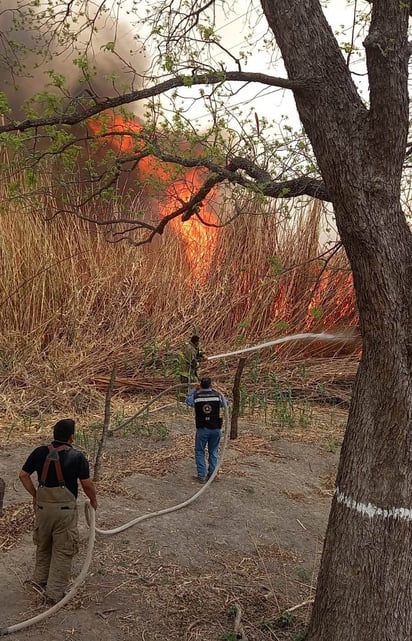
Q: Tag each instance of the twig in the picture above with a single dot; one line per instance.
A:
(104, 613)
(190, 628)
(299, 605)
(238, 627)
(145, 407)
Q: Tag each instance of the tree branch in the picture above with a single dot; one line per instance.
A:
(304, 185)
(84, 109)
(284, 189)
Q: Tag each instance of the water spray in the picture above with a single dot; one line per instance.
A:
(323, 336)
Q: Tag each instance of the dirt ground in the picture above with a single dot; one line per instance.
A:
(251, 541)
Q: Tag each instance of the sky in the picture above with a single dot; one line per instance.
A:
(232, 27)
(267, 101)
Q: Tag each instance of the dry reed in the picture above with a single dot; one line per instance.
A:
(74, 304)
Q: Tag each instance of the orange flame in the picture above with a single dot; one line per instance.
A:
(199, 239)
(335, 295)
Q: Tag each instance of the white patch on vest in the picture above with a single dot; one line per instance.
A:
(371, 511)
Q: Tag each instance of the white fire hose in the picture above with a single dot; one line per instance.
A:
(90, 513)
(77, 583)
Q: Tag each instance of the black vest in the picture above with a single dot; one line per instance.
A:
(207, 409)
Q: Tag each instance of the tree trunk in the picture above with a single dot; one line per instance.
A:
(364, 588)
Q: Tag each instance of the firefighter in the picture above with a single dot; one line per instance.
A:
(58, 468)
(207, 403)
(190, 358)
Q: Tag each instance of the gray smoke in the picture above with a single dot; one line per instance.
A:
(32, 49)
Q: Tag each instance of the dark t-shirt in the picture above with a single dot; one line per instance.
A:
(74, 466)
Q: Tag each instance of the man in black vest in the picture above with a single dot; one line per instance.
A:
(58, 468)
(207, 403)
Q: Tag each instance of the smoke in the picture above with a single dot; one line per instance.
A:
(94, 54)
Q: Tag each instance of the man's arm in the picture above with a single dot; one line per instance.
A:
(90, 491)
(223, 401)
(190, 398)
(25, 478)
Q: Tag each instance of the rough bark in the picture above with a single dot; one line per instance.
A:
(364, 588)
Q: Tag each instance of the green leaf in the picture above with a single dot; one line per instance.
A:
(317, 312)
(276, 264)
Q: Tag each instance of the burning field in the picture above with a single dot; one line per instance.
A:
(80, 293)
(74, 304)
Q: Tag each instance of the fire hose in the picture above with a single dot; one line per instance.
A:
(90, 513)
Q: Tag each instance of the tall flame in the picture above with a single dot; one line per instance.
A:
(336, 295)
(333, 298)
(199, 239)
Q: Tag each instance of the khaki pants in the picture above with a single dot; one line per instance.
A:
(56, 538)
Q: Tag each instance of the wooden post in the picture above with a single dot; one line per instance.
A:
(2, 489)
(236, 399)
(106, 424)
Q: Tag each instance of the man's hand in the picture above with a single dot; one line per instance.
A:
(90, 491)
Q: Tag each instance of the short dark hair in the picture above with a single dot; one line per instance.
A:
(194, 339)
(63, 430)
(205, 382)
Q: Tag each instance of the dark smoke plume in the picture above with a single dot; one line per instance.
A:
(33, 49)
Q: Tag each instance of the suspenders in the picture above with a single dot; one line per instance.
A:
(53, 456)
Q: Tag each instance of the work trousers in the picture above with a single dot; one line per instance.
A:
(206, 437)
(56, 538)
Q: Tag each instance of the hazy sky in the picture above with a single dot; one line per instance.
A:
(267, 101)
(232, 27)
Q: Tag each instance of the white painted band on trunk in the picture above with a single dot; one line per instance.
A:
(371, 511)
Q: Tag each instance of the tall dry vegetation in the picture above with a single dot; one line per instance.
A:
(74, 304)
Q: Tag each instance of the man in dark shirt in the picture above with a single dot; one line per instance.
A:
(207, 403)
(58, 468)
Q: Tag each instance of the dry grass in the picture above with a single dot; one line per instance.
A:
(16, 521)
(199, 604)
(74, 304)
(130, 583)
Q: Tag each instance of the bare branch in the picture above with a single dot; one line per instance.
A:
(281, 189)
(262, 180)
(86, 110)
